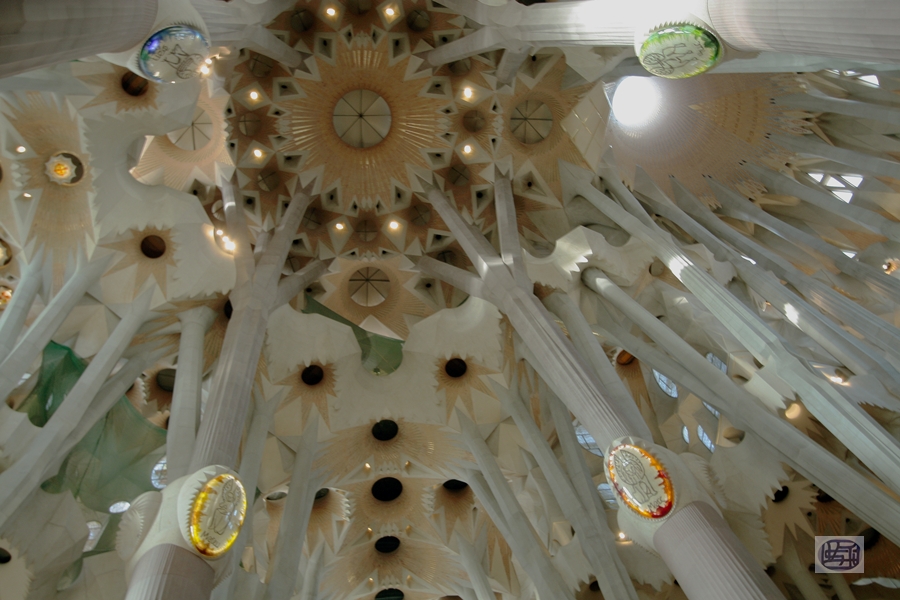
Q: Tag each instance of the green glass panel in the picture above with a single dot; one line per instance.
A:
(380, 355)
(60, 369)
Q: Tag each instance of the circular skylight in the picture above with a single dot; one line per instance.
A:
(636, 101)
(362, 118)
(369, 286)
(531, 121)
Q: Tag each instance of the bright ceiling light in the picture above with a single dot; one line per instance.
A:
(254, 95)
(339, 226)
(394, 225)
(257, 153)
(20, 149)
(467, 93)
(27, 195)
(219, 232)
(467, 149)
(793, 411)
(204, 69)
(389, 11)
(622, 535)
(230, 246)
(330, 12)
(636, 101)
(208, 61)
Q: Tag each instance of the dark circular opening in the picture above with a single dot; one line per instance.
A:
(153, 246)
(387, 544)
(624, 358)
(770, 570)
(387, 489)
(385, 430)
(134, 84)
(165, 379)
(595, 587)
(474, 121)
(389, 594)
(823, 497)
(275, 496)
(455, 485)
(312, 375)
(228, 309)
(870, 538)
(321, 493)
(5, 556)
(781, 494)
(456, 367)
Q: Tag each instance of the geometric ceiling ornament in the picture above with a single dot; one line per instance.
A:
(531, 121)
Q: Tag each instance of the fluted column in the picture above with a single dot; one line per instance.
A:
(859, 29)
(168, 572)
(781, 184)
(799, 573)
(861, 162)
(518, 531)
(41, 33)
(597, 542)
(864, 436)
(17, 482)
(295, 519)
(475, 569)
(831, 474)
(13, 317)
(45, 325)
(708, 560)
(185, 416)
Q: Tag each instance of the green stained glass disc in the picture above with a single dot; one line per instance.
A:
(680, 51)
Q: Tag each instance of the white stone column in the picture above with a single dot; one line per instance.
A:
(856, 354)
(519, 533)
(41, 33)
(13, 317)
(864, 163)
(503, 282)
(708, 560)
(185, 415)
(510, 63)
(169, 572)
(799, 573)
(310, 589)
(295, 519)
(17, 482)
(474, 566)
(875, 330)
(45, 325)
(858, 29)
(597, 541)
(829, 473)
(781, 184)
(845, 419)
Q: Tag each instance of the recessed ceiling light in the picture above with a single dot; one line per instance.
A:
(394, 225)
(467, 149)
(467, 92)
(793, 411)
(330, 12)
(27, 195)
(254, 95)
(208, 61)
(257, 153)
(204, 69)
(230, 246)
(219, 232)
(339, 226)
(389, 11)
(20, 149)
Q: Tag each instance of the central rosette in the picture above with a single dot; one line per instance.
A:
(362, 118)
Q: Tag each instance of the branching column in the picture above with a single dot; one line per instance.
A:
(13, 318)
(186, 396)
(821, 467)
(45, 325)
(20, 480)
